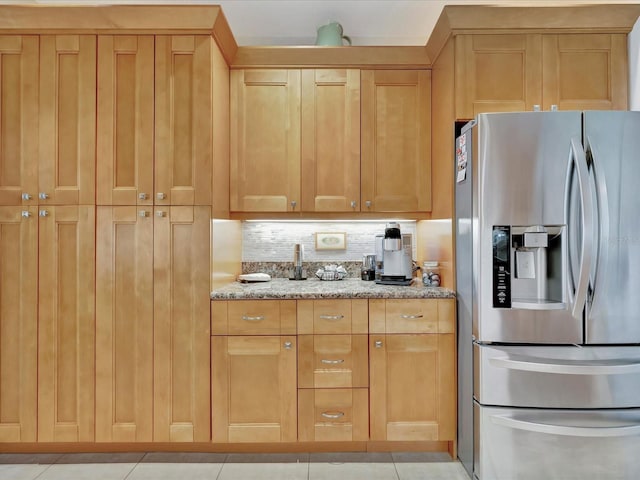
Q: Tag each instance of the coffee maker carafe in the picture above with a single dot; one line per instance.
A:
(394, 256)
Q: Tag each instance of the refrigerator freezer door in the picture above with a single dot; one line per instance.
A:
(521, 168)
(557, 376)
(527, 444)
(612, 139)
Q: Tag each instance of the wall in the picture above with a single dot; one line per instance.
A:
(273, 241)
(634, 67)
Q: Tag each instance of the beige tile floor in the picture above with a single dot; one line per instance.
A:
(220, 466)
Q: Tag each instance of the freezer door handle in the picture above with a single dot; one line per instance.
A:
(587, 368)
(573, 431)
(578, 159)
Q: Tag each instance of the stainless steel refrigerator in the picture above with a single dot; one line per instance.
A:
(548, 288)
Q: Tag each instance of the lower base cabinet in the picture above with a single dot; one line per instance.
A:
(337, 414)
(253, 389)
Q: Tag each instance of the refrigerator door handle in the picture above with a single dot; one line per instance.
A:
(601, 200)
(557, 367)
(579, 160)
(573, 431)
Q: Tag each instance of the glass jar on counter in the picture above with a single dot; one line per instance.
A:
(430, 274)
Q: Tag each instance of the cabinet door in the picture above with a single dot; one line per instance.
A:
(125, 120)
(66, 333)
(181, 324)
(265, 140)
(18, 323)
(585, 71)
(330, 140)
(396, 133)
(18, 119)
(253, 389)
(67, 119)
(412, 387)
(124, 324)
(497, 73)
(183, 133)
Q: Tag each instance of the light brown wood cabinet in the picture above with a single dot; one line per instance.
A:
(514, 72)
(396, 141)
(66, 324)
(330, 140)
(152, 360)
(155, 120)
(412, 374)
(253, 371)
(265, 140)
(49, 117)
(18, 323)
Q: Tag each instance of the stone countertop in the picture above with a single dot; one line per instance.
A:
(284, 289)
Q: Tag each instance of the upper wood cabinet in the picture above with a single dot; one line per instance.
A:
(584, 71)
(155, 120)
(47, 113)
(396, 145)
(18, 323)
(507, 73)
(331, 140)
(18, 119)
(265, 140)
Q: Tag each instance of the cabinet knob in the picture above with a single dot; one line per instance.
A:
(160, 213)
(27, 196)
(143, 213)
(367, 204)
(26, 213)
(43, 213)
(43, 196)
(160, 196)
(288, 345)
(353, 204)
(142, 196)
(293, 204)
(378, 344)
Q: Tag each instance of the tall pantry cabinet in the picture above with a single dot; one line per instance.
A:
(47, 165)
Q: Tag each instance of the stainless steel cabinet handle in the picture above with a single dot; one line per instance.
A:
(572, 431)
(143, 213)
(353, 204)
(331, 317)
(257, 318)
(26, 213)
(43, 213)
(43, 196)
(293, 204)
(26, 196)
(142, 196)
(160, 213)
(160, 196)
(411, 317)
(378, 343)
(332, 362)
(368, 203)
(333, 415)
(288, 345)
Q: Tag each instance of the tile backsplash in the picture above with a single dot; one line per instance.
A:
(273, 241)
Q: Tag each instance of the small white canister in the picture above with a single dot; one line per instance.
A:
(430, 274)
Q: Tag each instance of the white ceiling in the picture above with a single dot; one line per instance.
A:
(367, 22)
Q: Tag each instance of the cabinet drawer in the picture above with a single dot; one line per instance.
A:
(333, 415)
(332, 316)
(412, 316)
(332, 361)
(253, 317)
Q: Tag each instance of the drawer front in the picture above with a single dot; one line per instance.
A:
(332, 361)
(412, 316)
(253, 317)
(340, 415)
(332, 316)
